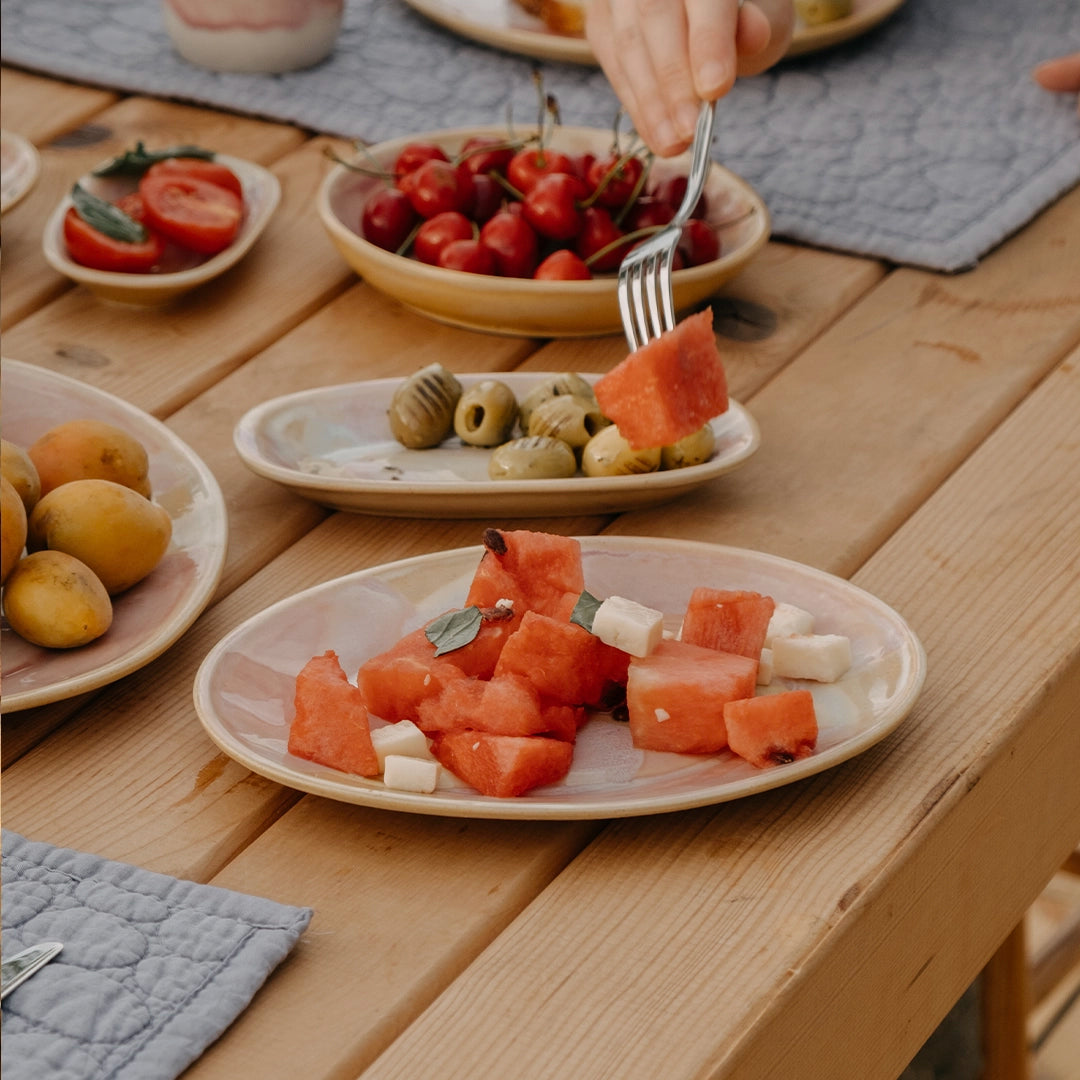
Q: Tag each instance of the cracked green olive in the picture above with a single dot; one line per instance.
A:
(607, 453)
(422, 409)
(567, 383)
(532, 457)
(486, 413)
(569, 418)
(694, 449)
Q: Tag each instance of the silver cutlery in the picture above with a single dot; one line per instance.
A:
(16, 970)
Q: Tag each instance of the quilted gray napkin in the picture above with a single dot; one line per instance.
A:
(153, 969)
(924, 141)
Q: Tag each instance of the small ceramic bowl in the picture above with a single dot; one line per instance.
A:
(184, 270)
(522, 306)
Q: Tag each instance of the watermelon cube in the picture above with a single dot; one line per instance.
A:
(669, 388)
(503, 765)
(330, 725)
(772, 729)
(675, 697)
(504, 705)
(395, 682)
(729, 620)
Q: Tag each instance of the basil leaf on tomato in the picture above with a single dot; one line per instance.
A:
(585, 610)
(136, 162)
(454, 629)
(106, 217)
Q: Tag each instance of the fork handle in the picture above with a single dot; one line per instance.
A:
(699, 162)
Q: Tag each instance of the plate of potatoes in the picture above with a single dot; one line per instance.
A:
(114, 537)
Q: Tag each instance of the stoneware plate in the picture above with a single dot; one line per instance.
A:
(20, 167)
(184, 270)
(148, 618)
(244, 688)
(506, 25)
(522, 306)
(333, 445)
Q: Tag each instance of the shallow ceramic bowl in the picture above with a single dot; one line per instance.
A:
(522, 306)
(20, 167)
(185, 270)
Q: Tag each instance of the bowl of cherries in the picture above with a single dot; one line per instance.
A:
(523, 232)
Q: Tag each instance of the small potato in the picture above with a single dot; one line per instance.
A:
(17, 468)
(119, 534)
(53, 600)
(90, 449)
(12, 528)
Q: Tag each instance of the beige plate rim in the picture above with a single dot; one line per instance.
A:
(21, 180)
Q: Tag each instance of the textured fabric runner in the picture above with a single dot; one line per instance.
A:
(924, 141)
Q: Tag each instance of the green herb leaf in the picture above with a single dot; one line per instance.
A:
(107, 218)
(454, 629)
(136, 162)
(585, 610)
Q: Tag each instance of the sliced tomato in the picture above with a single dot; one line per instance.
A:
(200, 169)
(88, 247)
(192, 212)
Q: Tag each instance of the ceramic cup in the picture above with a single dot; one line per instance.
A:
(253, 36)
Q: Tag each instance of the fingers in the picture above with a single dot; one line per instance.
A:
(1061, 74)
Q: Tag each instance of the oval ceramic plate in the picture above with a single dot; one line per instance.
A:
(148, 618)
(20, 167)
(244, 688)
(522, 306)
(506, 25)
(333, 445)
(183, 270)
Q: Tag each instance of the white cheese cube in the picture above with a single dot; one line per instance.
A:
(787, 619)
(403, 738)
(821, 657)
(410, 774)
(628, 625)
(765, 668)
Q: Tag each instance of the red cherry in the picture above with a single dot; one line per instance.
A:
(562, 265)
(513, 243)
(550, 206)
(528, 165)
(649, 213)
(437, 232)
(699, 242)
(481, 156)
(437, 186)
(468, 255)
(487, 198)
(618, 177)
(673, 190)
(387, 218)
(597, 232)
(581, 164)
(415, 154)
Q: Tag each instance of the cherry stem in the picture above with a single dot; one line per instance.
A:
(622, 241)
(408, 241)
(378, 172)
(506, 185)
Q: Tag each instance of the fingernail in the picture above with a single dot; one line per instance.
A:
(713, 76)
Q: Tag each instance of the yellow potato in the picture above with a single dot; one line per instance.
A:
(90, 449)
(12, 528)
(119, 534)
(53, 600)
(17, 468)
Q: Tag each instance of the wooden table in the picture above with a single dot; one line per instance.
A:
(921, 436)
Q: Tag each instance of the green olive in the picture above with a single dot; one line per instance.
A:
(607, 453)
(694, 449)
(422, 409)
(816, 12)
(532, 457)
(566, 383)
(569, 418)
(486, 413)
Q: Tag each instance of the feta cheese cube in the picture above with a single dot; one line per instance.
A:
(765, 667)
(821, 657)
(403, 738)
(628, 625)
(787, 619)
(410, 774)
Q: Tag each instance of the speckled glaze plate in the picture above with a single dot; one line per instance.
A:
(20, 167)
(148, 618)
(333, 445)
(244, 689)
(506, 25)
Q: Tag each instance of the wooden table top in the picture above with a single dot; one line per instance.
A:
(919, 436)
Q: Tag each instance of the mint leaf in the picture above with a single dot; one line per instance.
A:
(107, 218)
(136, 162)
(454, 629)
(585, 610)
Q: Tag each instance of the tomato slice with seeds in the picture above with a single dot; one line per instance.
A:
(201, 169)
(194, 213)
(89, 247)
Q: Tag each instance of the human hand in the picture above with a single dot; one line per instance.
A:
(1062, 74)
(664, 59)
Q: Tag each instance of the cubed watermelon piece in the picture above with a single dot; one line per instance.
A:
(562, 660)
(479, 657)
(563, 721)
(669, 388)
(331, 722)
(503, 765)
(675, 697)
(730, 620)
(503, 705)
(395, 682)
(535, 571)
(774, 728)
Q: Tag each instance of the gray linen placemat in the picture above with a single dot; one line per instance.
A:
(923, 142)
(153, 969)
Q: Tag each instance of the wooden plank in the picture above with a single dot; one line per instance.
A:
(803, 919)
(27, 280)
(41, 109)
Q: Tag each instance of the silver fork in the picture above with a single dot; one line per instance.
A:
(645, 299)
